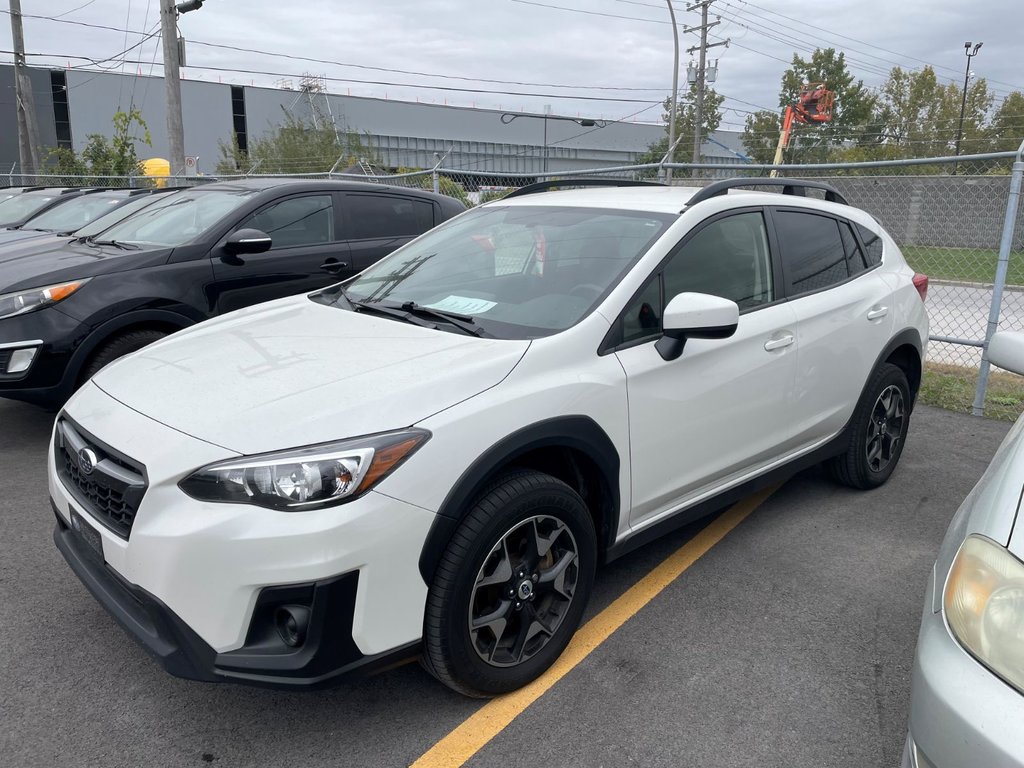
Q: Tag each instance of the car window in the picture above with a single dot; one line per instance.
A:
(75, 213)
(387, 216)
(854, 257)
(178, 218)
(872, 244)
(519, 271)
(812, 250)
(727, 258)
(296, 221)
(21, 206)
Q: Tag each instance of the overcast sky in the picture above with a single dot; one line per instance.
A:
(591, 51)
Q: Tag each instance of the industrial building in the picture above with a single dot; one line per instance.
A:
(71, 104)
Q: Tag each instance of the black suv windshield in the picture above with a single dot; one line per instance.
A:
(178, 218)
(21, 206)
(75, 213)
(517, 271)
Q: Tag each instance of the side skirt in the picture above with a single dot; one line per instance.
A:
(833, 447)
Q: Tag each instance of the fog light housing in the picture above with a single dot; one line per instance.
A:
(292, 622)
(21, 359)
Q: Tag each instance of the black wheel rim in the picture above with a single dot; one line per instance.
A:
(523, 591)
(885, 428)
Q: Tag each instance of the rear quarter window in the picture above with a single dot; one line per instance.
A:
(872, 245)
(813, 255)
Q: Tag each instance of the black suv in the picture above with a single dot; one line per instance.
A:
(67, 309)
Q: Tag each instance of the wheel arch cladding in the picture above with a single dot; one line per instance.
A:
(146, 320)
(908, 358)
(573, 449)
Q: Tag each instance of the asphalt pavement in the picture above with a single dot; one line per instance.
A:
(788, 644)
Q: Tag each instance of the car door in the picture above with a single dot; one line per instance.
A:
(379, 223)
(723, 409)
(842, 313)
(304, 233)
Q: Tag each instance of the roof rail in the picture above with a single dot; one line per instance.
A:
(544, 186)
(797, 187)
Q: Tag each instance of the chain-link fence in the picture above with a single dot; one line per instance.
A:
(955, 219)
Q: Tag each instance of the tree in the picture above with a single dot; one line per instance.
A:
(106, 157)
(1007, 128)
(686, 119)
(851, 117)
(297, 145)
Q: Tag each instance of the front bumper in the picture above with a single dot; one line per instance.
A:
(327, 656)
(960, 713)
(196, 576)
(55, 337)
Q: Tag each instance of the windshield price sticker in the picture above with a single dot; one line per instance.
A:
(464, 305)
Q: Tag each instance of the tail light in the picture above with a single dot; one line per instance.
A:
(921, 283)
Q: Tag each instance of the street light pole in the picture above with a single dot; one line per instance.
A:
(172, 79)
(586, 122)
(963, 102)
(675, 93)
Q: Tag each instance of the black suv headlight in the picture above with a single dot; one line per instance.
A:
(305, 478)
(20, 302)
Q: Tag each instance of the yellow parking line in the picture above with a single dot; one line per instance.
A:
(488, 721)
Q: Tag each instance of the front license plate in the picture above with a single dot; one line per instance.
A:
(87, 533)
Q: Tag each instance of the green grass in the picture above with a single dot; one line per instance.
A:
(972, 265)
(952, 387)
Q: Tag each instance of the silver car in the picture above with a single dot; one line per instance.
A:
(967, 695)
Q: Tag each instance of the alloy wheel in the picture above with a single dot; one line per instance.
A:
(523, 591)
(885, 428)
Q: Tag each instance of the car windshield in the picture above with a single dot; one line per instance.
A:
(119, 214)
(178, 218)
(75, 213)
(517, 271)
(17, 208)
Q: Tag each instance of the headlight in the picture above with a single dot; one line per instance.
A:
(305, 478)
(984, 605)
(12, 304)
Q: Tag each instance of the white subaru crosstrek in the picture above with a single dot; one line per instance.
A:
(432, 459)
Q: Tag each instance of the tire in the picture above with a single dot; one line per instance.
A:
(882, 412)
(118, 347)
(533, 615)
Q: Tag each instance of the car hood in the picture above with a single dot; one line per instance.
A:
(294, 372)
(39, 261)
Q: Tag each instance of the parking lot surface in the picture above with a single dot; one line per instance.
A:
(789, 643)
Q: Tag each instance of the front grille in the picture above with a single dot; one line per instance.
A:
(5, 358)
(112, 491)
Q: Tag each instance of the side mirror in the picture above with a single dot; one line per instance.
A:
(246, 241)
(695, 316)
(1006, 349)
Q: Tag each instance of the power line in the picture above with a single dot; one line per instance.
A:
(68, 13)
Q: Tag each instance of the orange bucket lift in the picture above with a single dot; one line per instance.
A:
(813, 105)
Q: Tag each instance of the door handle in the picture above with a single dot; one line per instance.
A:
(778, 342)
(333, 267)
(876, 312)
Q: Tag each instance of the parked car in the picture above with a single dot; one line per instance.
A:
(432, 458)
(71, 213)
(19, 208)
(967, 689)
(69, 309)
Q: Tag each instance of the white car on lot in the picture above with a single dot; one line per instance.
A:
(432, 459)
(967, 691)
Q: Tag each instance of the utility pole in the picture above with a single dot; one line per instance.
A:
(172, 83)
(701, 70)
(28, 128)
(172, 79)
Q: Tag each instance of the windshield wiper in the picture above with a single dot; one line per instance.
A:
(398, 314)
(116, 243)
(463, 322)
